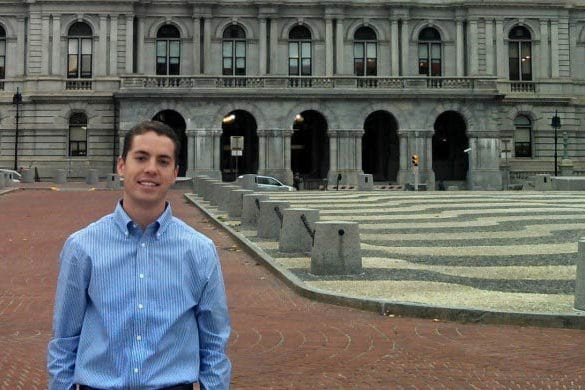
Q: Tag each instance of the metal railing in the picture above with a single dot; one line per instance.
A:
(78, 85)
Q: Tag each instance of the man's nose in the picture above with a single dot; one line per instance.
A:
(150, 165)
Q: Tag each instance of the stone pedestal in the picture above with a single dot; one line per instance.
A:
(113, 182)
(236, 202)
(543, 182)
(225, 196)
(250, 208)
(566, 167)
(580, 277)
(365, 182)
(92, 176)
(28, 176)
(294, 236)
(337, 249)
(60, 176)
(269, 222)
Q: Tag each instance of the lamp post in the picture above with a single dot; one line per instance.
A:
(556, 124)
(16, 100)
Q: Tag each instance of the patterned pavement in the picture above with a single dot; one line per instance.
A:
(280, 340)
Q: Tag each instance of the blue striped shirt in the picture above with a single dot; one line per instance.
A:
(139, 309)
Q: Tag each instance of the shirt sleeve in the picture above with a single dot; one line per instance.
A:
(68, 314)
(214, 330)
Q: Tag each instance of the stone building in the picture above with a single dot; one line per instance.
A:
(316, 88)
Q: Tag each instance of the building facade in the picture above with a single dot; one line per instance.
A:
(315, 88)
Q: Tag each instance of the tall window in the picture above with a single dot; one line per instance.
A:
(2, 53)
(168, 50)
(299, 52)
(365, 52)
(78, 135)
(234, 51)
(429, 52)
(522, 137)
(520, 53)
(80, 51)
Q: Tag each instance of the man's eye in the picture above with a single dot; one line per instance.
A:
(164, 163)
(140, 158)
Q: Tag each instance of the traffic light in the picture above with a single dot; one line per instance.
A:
(415, 160)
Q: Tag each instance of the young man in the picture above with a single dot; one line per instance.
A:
(140, 298)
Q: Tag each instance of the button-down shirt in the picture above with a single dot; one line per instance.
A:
(139, 309)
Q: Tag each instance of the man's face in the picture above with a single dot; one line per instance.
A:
(149, 170)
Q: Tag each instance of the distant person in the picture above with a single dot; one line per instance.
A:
(296, 181)
(140, 298)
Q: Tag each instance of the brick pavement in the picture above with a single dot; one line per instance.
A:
(280, 340)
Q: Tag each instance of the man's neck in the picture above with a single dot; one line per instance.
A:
(143, 216)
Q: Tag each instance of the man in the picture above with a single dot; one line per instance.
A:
(140, 298)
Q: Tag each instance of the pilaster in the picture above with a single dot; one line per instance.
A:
(405, 46)
(345, 155)
(207, 45)
(140, 45)
(395, 47)
(274, 45)
(196, 45)
(262, 47)
(339, 44)
(489, 43)
(472, 47)
(56, 47)
(129, 43)
(113, 45)
(328, 46)
(20, 46)
(274, 154)
(500, 49)
(459, 49)
(100, 60)
(45, 34)
(554, 48)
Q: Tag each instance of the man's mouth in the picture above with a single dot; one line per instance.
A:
(147, 183)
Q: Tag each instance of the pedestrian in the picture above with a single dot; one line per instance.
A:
(140, 300)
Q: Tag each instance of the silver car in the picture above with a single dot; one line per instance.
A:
(13, 176)
(267, 183)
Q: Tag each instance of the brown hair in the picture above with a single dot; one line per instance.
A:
(159, 128)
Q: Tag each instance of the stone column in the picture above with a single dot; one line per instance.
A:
(261, 151)
(274, 154)
(416, 142)
(129, 43)
(262, 48)
(196, 45)
(484, 161)
(332, 174)
(500, 50)
(45, 34)
(57, 55)
(274, 46)
(140, 45)
(405, 47)
(402, 177)
(345, 156)
(100, 59)
(20, 36)
(216, 152)
(287, 135)
(394, 42)
(472, 47)
(207, 45)
(554, 48)
(191, 133)
(113, 45)
(339, 43)
(459, 48)
(204, 148)
(544, 54)
(489, 42)
(328, 46)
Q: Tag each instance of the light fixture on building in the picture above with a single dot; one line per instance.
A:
(299, 119)
(229, 119)
(556, 124)
(16, 100)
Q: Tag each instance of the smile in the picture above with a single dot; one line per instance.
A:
(148, 183)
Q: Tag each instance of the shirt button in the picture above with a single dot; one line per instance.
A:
(143, 245)
(140, 306)
(136, 370)
(141, 276)
(138, 337)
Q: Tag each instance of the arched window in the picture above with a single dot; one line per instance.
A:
(79, 52)
(78, 134)
(365, 52)
(234, 51)
(168, 50)
(520, 53)
(299, 52)
(522, 137)
(429, 52)
(2, 53)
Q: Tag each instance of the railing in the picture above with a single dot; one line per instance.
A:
(522, 86)
(316, 82)
(73, 85)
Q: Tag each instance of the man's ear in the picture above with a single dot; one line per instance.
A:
(120, 165)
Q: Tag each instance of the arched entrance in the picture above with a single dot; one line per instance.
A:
(244, 125)
(310, 146)
(177, 123)
(450, 161)
(380, 146)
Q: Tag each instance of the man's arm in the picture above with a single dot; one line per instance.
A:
(69, 310)
(214, 330)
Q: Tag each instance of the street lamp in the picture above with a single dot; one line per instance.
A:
(17, 100)
(556, 124)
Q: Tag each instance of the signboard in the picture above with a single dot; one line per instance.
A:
(237, 145)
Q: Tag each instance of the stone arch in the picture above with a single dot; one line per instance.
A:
(315, 33)
(62, 119)
(163, 21)
(525, 110)
(380, 35)
(330, 118)
(398, 113)
(234, 21)
(471, 122)
(95, 29)
(581, 36)
(7, 26)
(445, 36)
(252, 109)
(532, 27)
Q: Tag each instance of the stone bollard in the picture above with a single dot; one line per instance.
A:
(236, 202)
(294, 236)
(247, 182)
(217, 191)
(2, 180)
(208, 188)
(28, 176)
(250, 208)
(543, 182)
(269, 218)
(580, 277)
(60, 176)
(92, 176)
(337, 249)
(365, 182)
(224, 196)
(113, 181)
(198, 183)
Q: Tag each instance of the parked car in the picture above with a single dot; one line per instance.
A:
(12, 175)
(268, 183)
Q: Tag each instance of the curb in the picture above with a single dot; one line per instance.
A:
(397, 309)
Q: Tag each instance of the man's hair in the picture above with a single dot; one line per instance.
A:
(159, 128)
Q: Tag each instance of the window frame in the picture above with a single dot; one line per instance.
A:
(429, 60)
(82, 60)
(233, 58)
(171, 64)
(523, 149)
(3, 43)
(364, 59)
(75, 123)
(300, 58)
(520, 44)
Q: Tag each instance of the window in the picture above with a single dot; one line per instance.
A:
(78, 135)
(80, 49)
(520, 53)
(522, 137)
(234, 51)
(168, 50)
(299, 52)
(2, 53)
(365, 52)
(429, 52)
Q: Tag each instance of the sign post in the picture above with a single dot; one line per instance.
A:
(237, 148)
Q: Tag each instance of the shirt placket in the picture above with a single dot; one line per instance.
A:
(141, 282)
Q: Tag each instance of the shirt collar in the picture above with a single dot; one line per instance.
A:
(125, 223)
